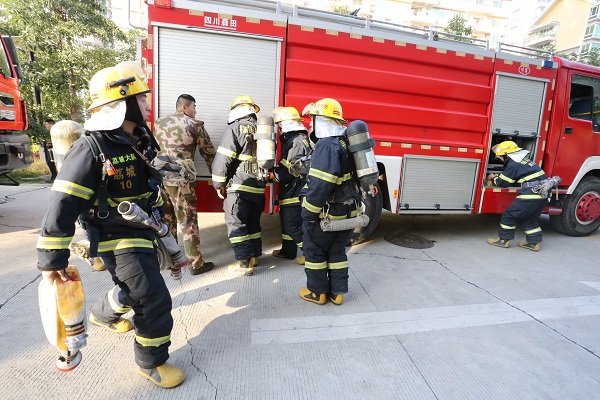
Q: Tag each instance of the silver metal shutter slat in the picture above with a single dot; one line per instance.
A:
(517, 105)
(430, 181)
(215, 68)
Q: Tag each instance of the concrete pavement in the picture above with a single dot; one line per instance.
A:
(461, 320)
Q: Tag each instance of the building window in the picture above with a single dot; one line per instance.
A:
(593, 12)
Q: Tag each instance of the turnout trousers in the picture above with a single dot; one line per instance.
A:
(326, 264)
(525, 213)
(291, 229)
(242, 216)
(141, 287)
(181, 216)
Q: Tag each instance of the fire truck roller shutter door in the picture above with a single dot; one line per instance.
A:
(249, 66)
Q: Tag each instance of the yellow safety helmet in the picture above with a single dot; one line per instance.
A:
(245, 99)
(506, 147)
(286, 114)
(327, 107)
(115, 83)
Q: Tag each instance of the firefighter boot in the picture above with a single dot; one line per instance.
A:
(243, 267)
(499, 242)
(121, 325)
(166, 376)
(336, 298)
(280, 254)
(531, 246)
(306, 294)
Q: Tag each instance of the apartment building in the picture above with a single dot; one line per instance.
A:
(562, 26)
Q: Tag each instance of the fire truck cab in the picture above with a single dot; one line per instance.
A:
(435, 104)
(15, 146)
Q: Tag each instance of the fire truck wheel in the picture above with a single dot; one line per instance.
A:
(581, 210)
(373, 207)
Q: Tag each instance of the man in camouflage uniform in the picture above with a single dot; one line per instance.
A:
(179, 135)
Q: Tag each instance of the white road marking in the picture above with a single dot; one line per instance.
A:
(387, 323)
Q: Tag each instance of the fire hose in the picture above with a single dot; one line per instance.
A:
(170, 255)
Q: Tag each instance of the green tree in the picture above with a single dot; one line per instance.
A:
(591, 57)
(338, 8)
(63, 43)
(458, 26)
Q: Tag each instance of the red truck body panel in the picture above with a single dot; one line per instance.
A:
(421, 99)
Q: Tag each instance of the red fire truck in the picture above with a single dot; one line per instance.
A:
(435, 106)
(15, 146)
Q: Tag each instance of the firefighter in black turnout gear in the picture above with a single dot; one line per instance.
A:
(108, 164)
(528, 206)
(331, 192)
(291, 175)
(235, 174)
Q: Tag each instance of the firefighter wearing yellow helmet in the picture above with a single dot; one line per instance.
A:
(111, 161)
(525, 210)
(331, 194)
(238, 180)
(291, 175)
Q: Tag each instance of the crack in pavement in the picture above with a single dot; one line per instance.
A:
(187, 339)
(20, 290)
(513, 306)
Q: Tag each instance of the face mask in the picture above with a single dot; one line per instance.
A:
(291, 125)
(327, 127)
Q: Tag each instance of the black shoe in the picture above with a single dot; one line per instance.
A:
(280, 254)
(207, 266)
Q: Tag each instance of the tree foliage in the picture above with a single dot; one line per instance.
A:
(62, 44)
(458, 26)
(591, 57)
(338, 8)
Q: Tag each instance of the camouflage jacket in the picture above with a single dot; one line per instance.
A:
(179, 136)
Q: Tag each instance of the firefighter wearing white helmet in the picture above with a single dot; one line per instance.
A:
(291, 175)
(332, 194)
(111, 161)
(525, 210)
(236, 175)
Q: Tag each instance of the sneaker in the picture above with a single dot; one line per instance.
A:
(300, 260)
(279, 254)
(207, 266)
(499, 242)
(166, 376)
(121, 325)
(306, 294)
(531, 246)
(336, 299)
(243, 267)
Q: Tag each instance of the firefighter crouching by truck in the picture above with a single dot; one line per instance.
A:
(237, 178)
(526, 209)
(109, 163)
(331, 193)
(291, 175)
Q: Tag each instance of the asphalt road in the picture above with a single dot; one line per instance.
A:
(459, 320)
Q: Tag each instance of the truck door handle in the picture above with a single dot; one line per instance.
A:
(569, 130)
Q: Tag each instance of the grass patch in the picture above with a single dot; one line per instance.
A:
(34, 173)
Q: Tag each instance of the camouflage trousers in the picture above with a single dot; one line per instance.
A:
(182, 218)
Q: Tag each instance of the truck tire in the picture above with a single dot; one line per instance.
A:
(581, 209)
(373, 207)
